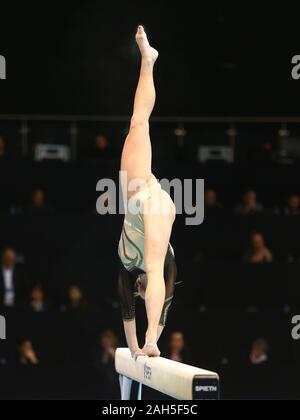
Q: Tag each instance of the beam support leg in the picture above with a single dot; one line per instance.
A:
(125, 385)
(139, 396)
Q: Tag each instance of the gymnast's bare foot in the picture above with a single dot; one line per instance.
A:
(151, 350)
(147, 52)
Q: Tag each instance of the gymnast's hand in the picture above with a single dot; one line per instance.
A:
(151, 350)
(137, 353)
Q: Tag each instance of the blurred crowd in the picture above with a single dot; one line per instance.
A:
(19, 291)
(250, 205)
(256, 365)
(99, 147)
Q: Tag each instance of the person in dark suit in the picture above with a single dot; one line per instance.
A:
(177, 349)
(38, 203)
(12, 283)
(38, 303)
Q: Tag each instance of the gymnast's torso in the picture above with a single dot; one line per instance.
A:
(131, 254)
(131, 244)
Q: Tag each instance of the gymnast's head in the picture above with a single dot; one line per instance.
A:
(141, 285)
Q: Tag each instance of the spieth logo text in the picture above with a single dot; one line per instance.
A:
(206, 388)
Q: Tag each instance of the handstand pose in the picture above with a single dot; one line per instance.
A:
(148, 267)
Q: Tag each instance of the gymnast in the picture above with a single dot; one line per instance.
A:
(147, 263)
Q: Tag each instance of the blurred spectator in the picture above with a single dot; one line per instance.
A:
(258, 252)
(100, 148)
(76, 299)
(267, 152)
(38, 202)
(177, 348)
(26, 353)
(37, 301)
(101, 145)
(261, 153)
(258, 376)
(211, 203)
(2, 148)
(108, 346)
(12, 283)
(293, 205)
(259, 352)
(249, 204)
(105, 361)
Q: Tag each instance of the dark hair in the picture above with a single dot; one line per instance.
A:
(23, 340)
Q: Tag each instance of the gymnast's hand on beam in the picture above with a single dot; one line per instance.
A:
(151, 350)
(137, 353)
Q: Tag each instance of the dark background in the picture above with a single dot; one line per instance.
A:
(217, 57)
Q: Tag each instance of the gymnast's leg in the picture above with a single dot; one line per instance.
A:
(159, 214)
(137, 153)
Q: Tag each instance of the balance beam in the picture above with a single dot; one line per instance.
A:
(178, 380)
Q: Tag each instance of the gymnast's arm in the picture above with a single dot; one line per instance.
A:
(127, 301)
(126, 290)
(131, 338)
(170, 276)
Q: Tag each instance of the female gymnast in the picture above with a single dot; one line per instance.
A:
(148, 266)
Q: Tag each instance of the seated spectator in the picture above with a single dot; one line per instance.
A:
(177, 348)
(263, 153)
(2, 148)
(108, 346)
(12, 283)
(100, 148)
(105, 360)
(76, 299)
(38, 202)
(211, 203)
(37, 301)
(257, 252)
(249, 204)
(26, 353)
(259, 352)
(259, 375)
(293, 205)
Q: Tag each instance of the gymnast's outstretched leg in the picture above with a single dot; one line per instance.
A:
(137, 154)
